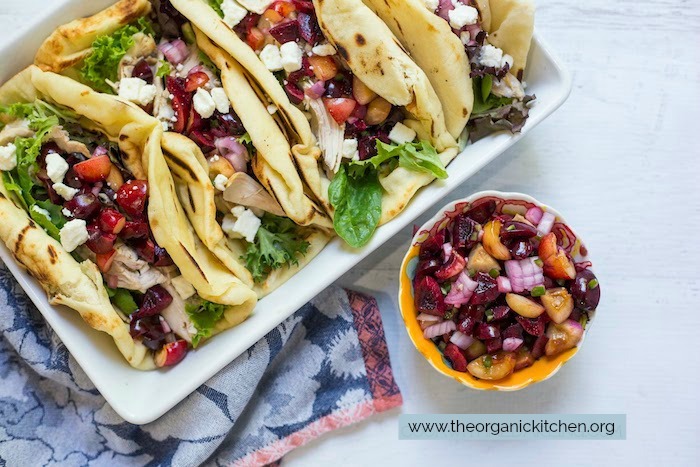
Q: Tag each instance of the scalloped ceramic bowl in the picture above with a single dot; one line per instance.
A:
(545, 367)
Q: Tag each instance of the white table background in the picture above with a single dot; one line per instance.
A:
(621, 161)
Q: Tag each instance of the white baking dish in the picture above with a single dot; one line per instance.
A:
(141, 397)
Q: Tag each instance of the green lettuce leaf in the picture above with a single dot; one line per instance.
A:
(216, 5)
(204, 316)
(278, 243)
(107, 52)
(483, 99)
(357, 199)
(417, 157)
(164, 69)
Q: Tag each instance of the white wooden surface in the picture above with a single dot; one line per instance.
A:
(620, 161)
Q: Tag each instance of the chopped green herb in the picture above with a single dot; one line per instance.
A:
(204, 316)
(164, 69)
(488, 361)
(107, 51)
(442, 346)
(449, 314)
(583, 320)
(445, 287)
(510, 228)
(592, 284)
(539, 262)
(474, 236)
(494, 273)
(472, 272)
(538, 291)
(489, 315)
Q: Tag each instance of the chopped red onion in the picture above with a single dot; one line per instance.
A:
(176, 51)
(99, 151)
(439, 329)
(503, 284)
(524, 274)
(534, 215)
(316, 90)
(234, 152)
(546, 223)
(461, 291)
(444, 7)
(511, 344)
(164, 325)
(446, 251)
(461, 340)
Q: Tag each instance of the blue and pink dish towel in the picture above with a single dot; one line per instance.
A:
(325, 367)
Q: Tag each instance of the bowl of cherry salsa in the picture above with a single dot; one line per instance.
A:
(497, 291)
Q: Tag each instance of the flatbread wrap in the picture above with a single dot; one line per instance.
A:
(88, 206)
(366, 126)
(229, 156)
(475, 54)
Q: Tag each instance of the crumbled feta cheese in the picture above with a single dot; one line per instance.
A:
(221, 182)
(56, 167)
(431, 5)
(166, 112)
(66, 212)
(323, 50)
(401, 134)
(65, 191)
(8, 157)
(271, 58)
(137, 90)
(183, 288)
(223, 105)
(241, 223)
(38, 209)
(349, 150)
(463, 15)
(256, 6)
(291, 56)
(271, 109)
(203, 103)
(233, 12)
(73, 234)
(491, 56)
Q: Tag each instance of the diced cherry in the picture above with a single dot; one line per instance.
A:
(456, 357)
(204, 141)
(520, 249)
(500, 312)
(134, 229)
(255, 39)
(149, 329)
(143, 71)
(586, 290)
(514, 330)
(155, 300)
(171, 353)
(514, 229)
(533, 326)
(309, 29)
(195, 81)
(146, 250)
(285, 32)
(462, 230)
(83, 206)
(539, 346)
(104, 260)
(340, 108)
(111, 221)
(487, 331)
(162, 258)
(454, 265)
(482, 211)
(296, 95)
(132, 196)
(486, 289)
(181, 102)
(432, 246)
(94, 169)
(231, 123)
(305, 6)
(428, 297)
(98, 241)
(367, 147)
(493, 345)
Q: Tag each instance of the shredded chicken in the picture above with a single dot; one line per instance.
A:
(330, 135)
(509, 87)
(132, 272)
(59, 136)
(15, 129)
(176, 316)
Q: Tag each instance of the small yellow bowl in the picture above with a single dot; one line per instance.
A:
(545, 367)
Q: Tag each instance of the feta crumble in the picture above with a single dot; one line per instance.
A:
(218, 95)
(401, 134)
(432, 5)
(137, 90)
(491, 56)
(73, 234)
(349, 149)
(241, 223)
(38, 209)
(323, 50)
(463, 15)
(8, 157)
(203, 103)
(221, 182)
(56, 167)
(271, 58)
(65, 191)
(291, 56)
(233, 12)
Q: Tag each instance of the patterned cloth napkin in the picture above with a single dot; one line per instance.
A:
(325, 367)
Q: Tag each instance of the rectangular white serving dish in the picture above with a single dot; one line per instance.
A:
(141, 397)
